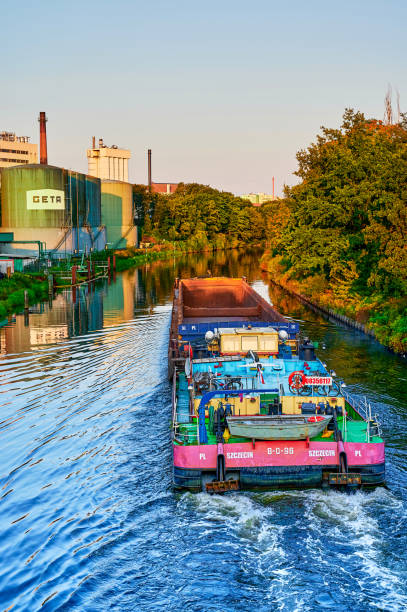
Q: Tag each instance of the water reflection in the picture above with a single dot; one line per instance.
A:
(92, 307)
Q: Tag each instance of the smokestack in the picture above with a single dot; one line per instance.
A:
(93, 142)
(149, 169)
(273, 187)
(43, 138)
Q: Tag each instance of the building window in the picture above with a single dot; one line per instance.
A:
(13, 151)
(14, 161)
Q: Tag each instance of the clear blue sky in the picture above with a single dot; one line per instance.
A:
(224, 92)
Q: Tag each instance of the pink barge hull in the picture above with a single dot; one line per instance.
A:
(286, 463)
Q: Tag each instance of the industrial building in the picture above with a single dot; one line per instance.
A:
(108, 163)
(47, 210)
(50, 209)
(164, 188)
(257, 199)
(16, 150)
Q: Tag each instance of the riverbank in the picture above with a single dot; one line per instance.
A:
(385, 320)
(36, 283)
(132, 257)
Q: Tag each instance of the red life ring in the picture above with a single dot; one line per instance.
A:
(315, 419)
(296, 379)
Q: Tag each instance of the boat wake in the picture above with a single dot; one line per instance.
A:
(309, 549)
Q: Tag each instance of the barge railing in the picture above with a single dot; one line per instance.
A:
(364, 409)
(174, 399)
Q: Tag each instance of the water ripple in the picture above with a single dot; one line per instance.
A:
(89, 520)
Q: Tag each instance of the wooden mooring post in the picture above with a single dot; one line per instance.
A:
(109, 271)
(26, 308)
(114, 263)
(74, 275)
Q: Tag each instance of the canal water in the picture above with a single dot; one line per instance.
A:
(88, 518)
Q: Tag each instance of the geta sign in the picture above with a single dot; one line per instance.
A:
(45, 199)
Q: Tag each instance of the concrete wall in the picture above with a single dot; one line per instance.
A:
(60, 241)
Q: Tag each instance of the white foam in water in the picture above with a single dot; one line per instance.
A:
(343, 534)
(259, 540)
(240, 514)
(350, 521)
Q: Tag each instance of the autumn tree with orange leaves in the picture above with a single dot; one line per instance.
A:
(348, 217)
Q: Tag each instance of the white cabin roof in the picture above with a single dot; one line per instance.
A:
(245, 330)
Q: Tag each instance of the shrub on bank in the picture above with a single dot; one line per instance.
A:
(12, 291)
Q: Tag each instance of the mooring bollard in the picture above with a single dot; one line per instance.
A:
(26, 309)
(73, 275)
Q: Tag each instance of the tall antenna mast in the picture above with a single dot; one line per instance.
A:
(388, 110)
(398, 106)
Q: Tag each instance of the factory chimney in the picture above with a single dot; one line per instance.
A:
(93, 142)
(43, 138)
(149, 170)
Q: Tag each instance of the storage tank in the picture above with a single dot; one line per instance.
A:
(33, 196)
(58, 207)
(118, 215)
(83, 195)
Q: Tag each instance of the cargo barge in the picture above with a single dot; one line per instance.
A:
(252, 405)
